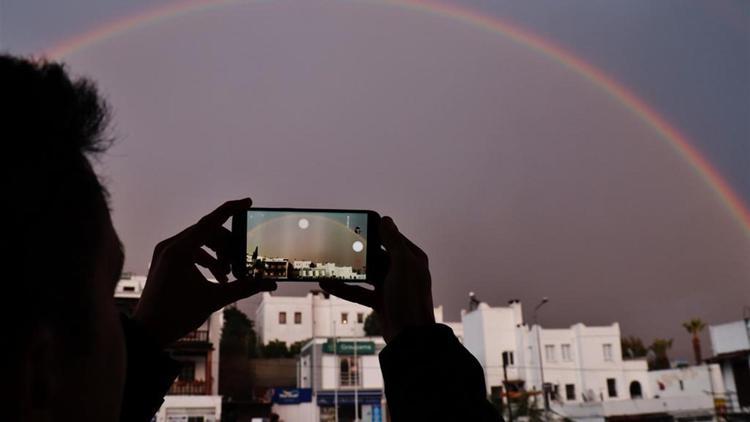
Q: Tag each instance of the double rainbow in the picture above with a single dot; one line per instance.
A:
(595, 76)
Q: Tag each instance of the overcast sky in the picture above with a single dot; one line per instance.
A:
(518, 177)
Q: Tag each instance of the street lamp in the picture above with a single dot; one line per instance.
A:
(539, 351)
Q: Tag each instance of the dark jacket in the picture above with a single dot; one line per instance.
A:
(149, 374)
(430, 376)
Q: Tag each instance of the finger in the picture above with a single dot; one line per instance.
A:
(200, 232)
(205, 260)
(416, 250)
(356, 294)
(220, 241)
(240, 289)
(389, 234)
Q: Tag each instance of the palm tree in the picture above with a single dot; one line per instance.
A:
(694, 327)
(660, 347)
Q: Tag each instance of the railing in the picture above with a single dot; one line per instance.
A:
(196, 336)
(190, 388)
(350, 379)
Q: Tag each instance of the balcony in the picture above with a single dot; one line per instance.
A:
(196, 336)
(190, 388)
(194, 340)
(350, 379)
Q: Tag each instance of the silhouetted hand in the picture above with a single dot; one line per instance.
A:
(404, 298)
(177, 298)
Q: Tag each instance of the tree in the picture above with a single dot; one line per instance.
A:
(632, 347)
(660, 347)
(372, 325)
(275, 349)
(694, 328)
(296, 347)
(238, 335)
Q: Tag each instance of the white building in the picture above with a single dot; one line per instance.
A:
(731, 345)
(339, 375)
(700, 380)
(291, 318)
(195, 393)
(300, 318)
(581, 366)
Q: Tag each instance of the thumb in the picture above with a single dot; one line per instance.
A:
(240, 289)
(391, 237)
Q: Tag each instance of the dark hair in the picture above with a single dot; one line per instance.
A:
(50, 126)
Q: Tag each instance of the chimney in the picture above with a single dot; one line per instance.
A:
(515, 306)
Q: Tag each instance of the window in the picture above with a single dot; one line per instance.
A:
(298, 317)
(611, 387)
(128, 289)
(507, 358)
(554, 393)
(682, 386)
(282, 317)
(565, 350)
(607, 351)
(349, 371)
(570, 391)
(187, 371)
(360, 318)
(549, 352)
(344, 318)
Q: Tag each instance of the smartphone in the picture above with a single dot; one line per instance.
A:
(304, 244)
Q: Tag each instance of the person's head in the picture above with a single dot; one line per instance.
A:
(65, 352)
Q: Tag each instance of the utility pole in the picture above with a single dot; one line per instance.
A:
(356, 382)
(506, 359)
(539, 350)
(336, 366)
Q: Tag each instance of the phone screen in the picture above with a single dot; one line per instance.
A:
(306, 245)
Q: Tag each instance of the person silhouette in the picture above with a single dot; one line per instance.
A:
(67, 352)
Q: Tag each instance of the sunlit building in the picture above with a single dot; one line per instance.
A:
(582, 370)
(731, 345)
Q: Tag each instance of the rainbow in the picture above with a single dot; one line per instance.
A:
(595, 76)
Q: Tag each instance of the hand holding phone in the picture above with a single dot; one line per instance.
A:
(404, 298)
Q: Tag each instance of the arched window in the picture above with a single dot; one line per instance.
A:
(635, 390)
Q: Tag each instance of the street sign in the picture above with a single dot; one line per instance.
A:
(347, 347)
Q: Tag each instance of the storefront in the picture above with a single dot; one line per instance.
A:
(368, 402)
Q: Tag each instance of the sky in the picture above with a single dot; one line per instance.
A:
(518, 177)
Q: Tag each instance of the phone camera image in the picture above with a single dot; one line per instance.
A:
(306, 246)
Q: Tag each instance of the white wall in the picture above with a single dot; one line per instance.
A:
(372, 378)
(302, 412)
(267, 318)
(175, 406)
(689, 381)
(730, 337)
(487, 333)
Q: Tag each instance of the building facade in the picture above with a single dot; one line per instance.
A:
(194, 396)
(731, 345)
(581, 369)
(291, 318)
(300, 318)
(339, 380)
